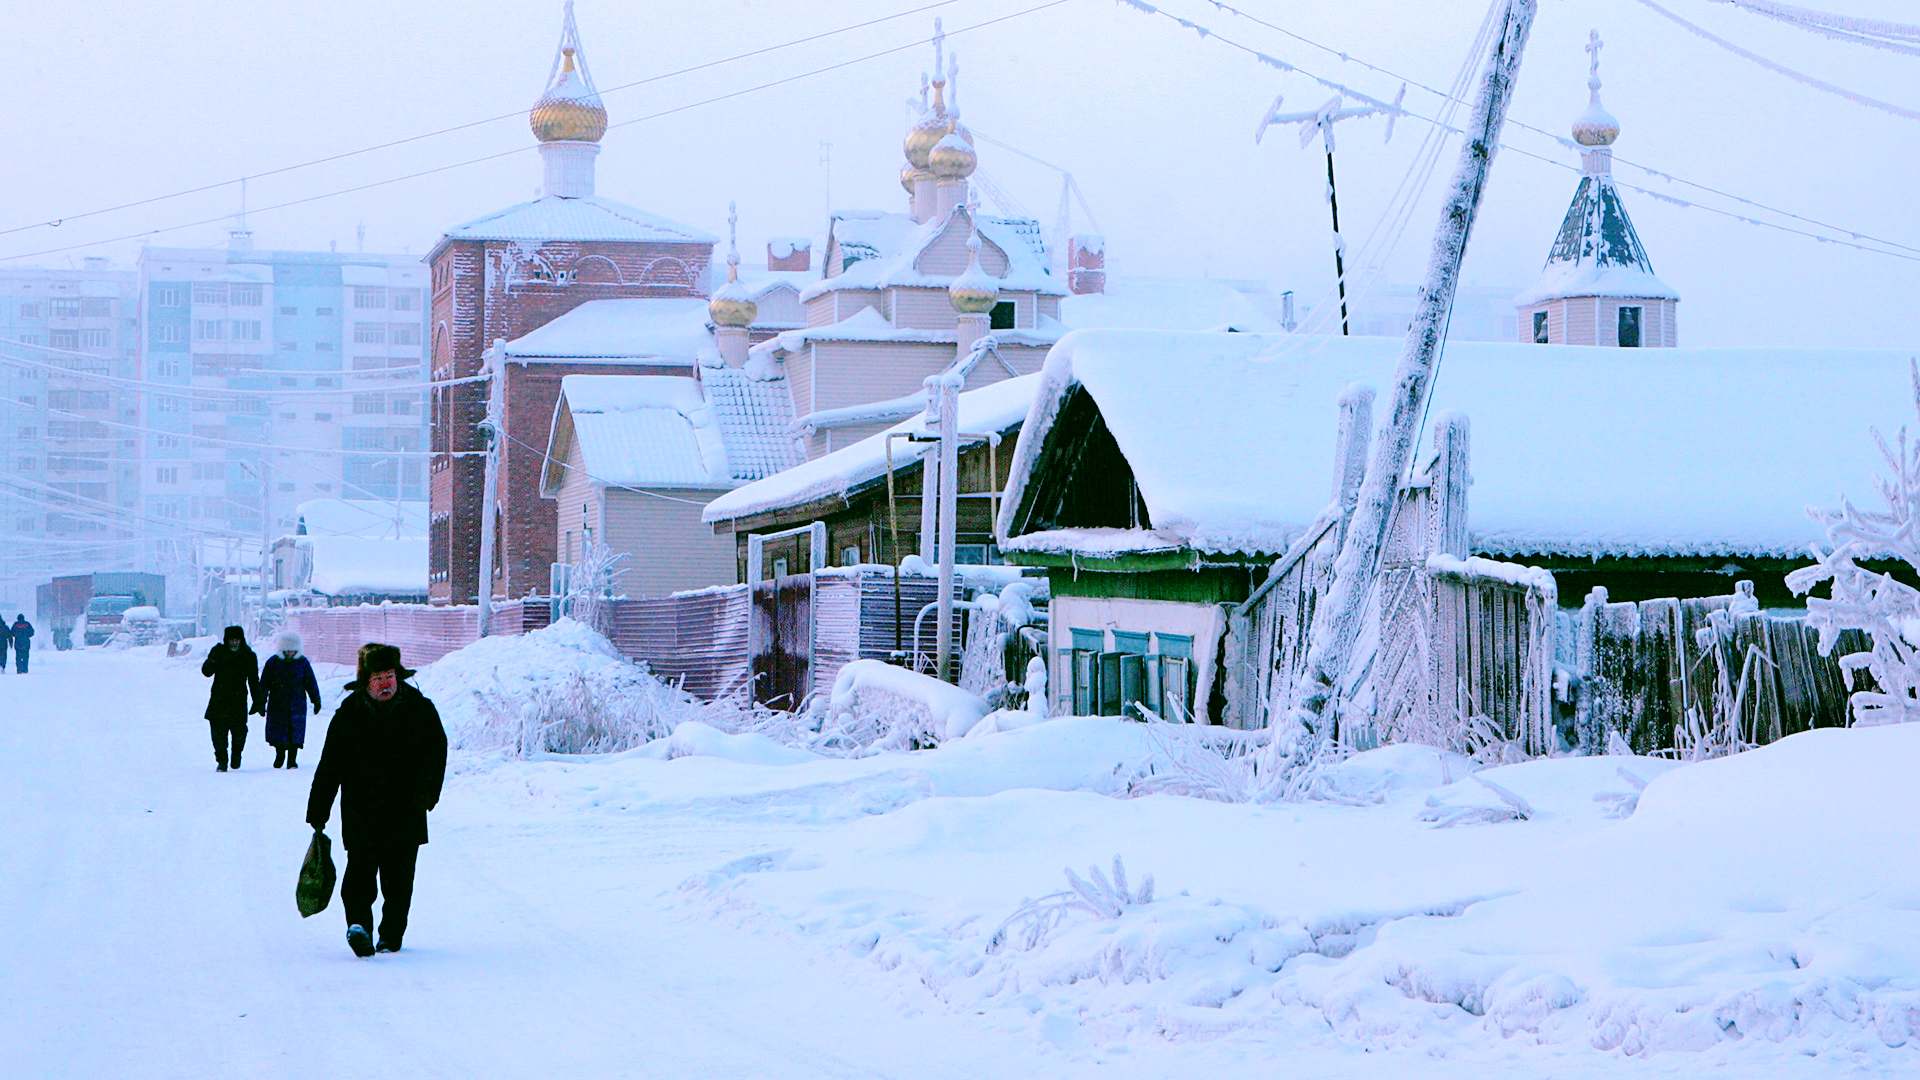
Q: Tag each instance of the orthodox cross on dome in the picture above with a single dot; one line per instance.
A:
(939, 56)
(570, 46)
(1596, 128)
(733, 241)
(570, 110)
(1594, 45)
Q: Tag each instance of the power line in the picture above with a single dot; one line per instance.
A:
(524, 149)
(56, 222)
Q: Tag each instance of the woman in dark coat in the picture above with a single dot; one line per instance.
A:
(288, 684)
(236, 685)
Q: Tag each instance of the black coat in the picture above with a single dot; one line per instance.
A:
(387, 761)
(22, 634)
(236, 682)
(288, 685)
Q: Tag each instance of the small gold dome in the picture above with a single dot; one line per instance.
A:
(952, 158)
(908, 174)
(975, 291)
(570, 110)
(732, 306)
(923, 137)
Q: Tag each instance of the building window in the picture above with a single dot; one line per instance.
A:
(209, 330)
(167, 367)
(289, 416)
(1539, 328)
(95, 339)
(1001, 317)
(29, 311)
(850, 556)
(96, 307)
(323, 417)
(289, 346)
(246, 330)
(368, 404)
(167, 475)
(166, 404)
(326, 384)
(403, 334)
(210, 292)
(65, 309)
(289, 311)
(1630, 327)
(406, 299)
(323, 311)
(169, 333)
(369, 333)
(168, 296)
(245, 295)
(323, 346)
(63, 339)
(369, 298)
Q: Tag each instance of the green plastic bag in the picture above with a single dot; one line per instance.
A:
(315, 891)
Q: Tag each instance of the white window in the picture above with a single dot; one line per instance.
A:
(289, 346)
(323, 311)
(66, 309)
(29, 311)
(167, 442)
(324, 418)
(169, 333)
(402, 406)
(166, 404)
(368, 404)
(369, 333)
(246, 330)
(95, 339)
(403, 334)
(167, 367)
(406, 299)
(323, 346)
(325, 384)
(96, 307)
(245, 295)
(210, 292)
(369, 298)
(209, 330)
(289, 311)
(167, 475)
(168, 296)
(63, 339)
(289, 416)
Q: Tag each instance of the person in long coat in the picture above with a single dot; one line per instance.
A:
(386, 757)
(6, 640)
(287, 683)
(22, 641)
(236, 688)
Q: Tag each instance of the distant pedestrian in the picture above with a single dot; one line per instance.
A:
(22, 635)
(288, 684)
(236, 688)
(6, 640)
(386, 756)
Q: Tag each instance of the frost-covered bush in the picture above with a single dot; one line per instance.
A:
(1873, 601)
(1096, 895)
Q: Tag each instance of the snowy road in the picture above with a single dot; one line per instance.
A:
(152, 931)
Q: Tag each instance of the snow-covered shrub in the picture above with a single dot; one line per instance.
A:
(878, 706)
(1096, 895)
(1199, 761)
(1887, 610)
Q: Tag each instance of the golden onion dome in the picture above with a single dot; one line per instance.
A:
(923, 137)
(909, 174)
(975, 291)
(953, 158)
(570, 110)
(732, 305)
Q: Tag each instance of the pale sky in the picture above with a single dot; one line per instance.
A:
(111, 102)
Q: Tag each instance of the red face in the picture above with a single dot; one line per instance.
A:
(382, 685)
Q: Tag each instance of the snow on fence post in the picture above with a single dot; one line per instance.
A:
(1336, 622)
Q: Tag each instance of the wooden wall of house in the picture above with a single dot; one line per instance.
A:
(668, 548)
(576, 507)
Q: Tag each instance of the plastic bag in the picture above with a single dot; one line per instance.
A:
(315, 891)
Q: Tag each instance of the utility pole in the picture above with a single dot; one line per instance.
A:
(490, 489)
(944, 394)
(1337, 618)
(1322, 120)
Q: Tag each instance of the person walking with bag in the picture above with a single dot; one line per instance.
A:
(386, 757)
(286, 685)
(236, 684)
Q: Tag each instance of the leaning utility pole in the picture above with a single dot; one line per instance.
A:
(1336, 621)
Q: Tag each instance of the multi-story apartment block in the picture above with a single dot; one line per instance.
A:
(274, 377)
(69, 415)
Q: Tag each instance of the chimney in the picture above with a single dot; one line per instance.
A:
(789, 253)
(1086, 264)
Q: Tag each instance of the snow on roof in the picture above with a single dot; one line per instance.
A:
(1597, 253)
(756, 417)
(1575, 450)
(368, 518)
(627, 329)
(643, 431)
(896, 253)
(364, 566)
(993, 408)
(590, 217)
(1169, 304)
(868, 324)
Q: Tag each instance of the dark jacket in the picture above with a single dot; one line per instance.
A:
(236, 679)
(288, 686)
(387, 761)
(22, 634)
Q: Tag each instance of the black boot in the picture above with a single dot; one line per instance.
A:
(359, 941)
(279, 756)
(293, 754)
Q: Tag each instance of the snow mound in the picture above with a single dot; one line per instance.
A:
(903, 708)
(562, 689)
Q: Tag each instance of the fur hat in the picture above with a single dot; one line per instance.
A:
(234, 632)
(375, 658)
(289, 641)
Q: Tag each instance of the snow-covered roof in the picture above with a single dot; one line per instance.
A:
(868, 324)
(369, 518)
(365, 566)
(897, 248)
(993, 408)
(641, 431)
(1597, 253)
(625, 330)
(756, 420)
(1169, 304)
(552, 217)
(1575, 450)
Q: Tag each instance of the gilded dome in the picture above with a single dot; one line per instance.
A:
(975, 291)
(1596, 126)
(925, 134)
(953, 158)
(732, 305)
(908, 174)
(570, 110)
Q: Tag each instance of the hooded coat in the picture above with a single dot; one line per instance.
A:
(236, 679)
(288, 685)
(387, 762)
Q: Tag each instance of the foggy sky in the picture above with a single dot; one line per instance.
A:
(109, 102)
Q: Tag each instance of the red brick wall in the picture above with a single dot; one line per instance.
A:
(490, 290)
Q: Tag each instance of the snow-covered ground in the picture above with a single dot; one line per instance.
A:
(720, 905)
